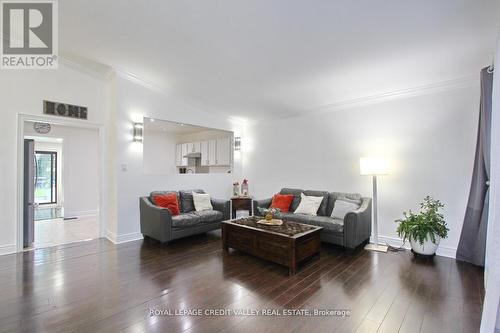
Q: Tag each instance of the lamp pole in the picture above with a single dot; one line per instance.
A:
(375, 213)
(374, 166)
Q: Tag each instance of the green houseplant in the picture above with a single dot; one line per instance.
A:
(425, 229)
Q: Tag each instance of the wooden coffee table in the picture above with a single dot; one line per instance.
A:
(288, 244)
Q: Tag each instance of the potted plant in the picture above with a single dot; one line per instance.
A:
(425, 229)
(269, 213)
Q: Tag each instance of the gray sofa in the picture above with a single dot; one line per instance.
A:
(351, 232)
(159, 224)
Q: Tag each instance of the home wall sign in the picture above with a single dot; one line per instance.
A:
(64, 110)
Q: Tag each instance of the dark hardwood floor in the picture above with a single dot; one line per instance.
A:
(100, 287)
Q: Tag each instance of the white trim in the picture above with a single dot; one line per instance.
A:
(443, 251)
(140, 81)
(119, 239)
(436, 87)
(131, 77)
(82, 213)
(21, 119)
(7, 249)
(74, 64)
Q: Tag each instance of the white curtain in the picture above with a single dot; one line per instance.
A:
(491, 313)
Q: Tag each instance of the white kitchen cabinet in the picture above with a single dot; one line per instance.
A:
(184, 153)
(180, 151)
(216, 152)
(223, 151)
(212, 152)
(178, 155)
(194, 147)
(208, 152)
(204, 153)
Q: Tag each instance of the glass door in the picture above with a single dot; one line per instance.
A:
(46, 177)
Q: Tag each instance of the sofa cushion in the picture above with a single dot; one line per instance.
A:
(186, 200)
(168, 201)
(201, 201)
(185, 220)
(282, 202)
(328, 223)
(324, 204)
(342, 207)
(155, 193)
(333, 197)
(299, 218)
(296, 196)
(309, 205)
(210, 216)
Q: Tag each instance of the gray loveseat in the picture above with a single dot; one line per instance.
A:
(159, 224)
(351, 232)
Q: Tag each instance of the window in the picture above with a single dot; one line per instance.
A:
(46, 177)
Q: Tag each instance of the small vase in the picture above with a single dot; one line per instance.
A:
(244, 189)
(236, 190)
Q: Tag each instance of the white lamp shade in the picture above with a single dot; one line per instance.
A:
(373, 166)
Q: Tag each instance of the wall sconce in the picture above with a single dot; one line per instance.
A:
(237, 143)
(138, 132)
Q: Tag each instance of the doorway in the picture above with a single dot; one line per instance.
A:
(61, 184)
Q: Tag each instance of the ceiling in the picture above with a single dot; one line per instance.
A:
(157, 125)
(279, 58)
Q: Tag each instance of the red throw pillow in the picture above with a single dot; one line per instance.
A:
(282, 202)
(168, 201)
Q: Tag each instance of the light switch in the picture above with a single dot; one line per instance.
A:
(124, 167)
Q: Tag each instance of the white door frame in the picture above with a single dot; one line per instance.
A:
(21, 119)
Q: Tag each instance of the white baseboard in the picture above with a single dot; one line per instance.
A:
(443, 251)
(8, 249)
(118, 239)
(81, 213)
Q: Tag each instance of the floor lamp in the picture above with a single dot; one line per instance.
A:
(371, 166)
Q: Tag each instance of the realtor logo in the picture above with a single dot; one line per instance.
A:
(29, 34)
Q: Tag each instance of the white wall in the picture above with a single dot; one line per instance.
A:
(159, 152)
(133, 102)
(23, 92)
(429, 139)
(80, 163)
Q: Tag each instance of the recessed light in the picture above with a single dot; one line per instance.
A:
(151, 120)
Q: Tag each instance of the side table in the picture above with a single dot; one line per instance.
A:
(241, 203)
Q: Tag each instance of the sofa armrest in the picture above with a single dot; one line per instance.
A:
(156, 222)
(262, 204)
(358, 225)
(222, 206)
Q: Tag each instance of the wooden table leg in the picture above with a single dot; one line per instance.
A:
(293, 259)
(225, 247)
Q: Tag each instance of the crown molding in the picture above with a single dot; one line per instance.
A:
(432, 88)
(75, 65)
(181, 99)
(139, 81)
